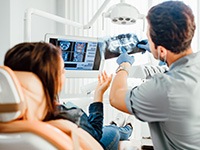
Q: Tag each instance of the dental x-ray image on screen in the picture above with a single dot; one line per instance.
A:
(81, 55)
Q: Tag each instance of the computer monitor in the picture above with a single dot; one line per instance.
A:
(83, 57)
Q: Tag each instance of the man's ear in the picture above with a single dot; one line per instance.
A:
(162, 51)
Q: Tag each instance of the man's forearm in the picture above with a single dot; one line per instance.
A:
(119, 89)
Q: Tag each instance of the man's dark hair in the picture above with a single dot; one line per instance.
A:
(171, 25)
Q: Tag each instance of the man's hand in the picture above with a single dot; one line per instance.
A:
(124, 57)
(144, 45)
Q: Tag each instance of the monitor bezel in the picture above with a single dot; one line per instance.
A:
(79, 73)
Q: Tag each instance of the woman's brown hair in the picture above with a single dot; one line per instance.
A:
(41, 58)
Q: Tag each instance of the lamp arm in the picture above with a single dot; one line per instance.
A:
(29, 12)
(96, 15)
(141, 16)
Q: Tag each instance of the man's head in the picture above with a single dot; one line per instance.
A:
(171, 25)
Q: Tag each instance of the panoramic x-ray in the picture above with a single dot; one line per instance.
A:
(114, 46)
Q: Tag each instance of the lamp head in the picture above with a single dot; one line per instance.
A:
(124, 14)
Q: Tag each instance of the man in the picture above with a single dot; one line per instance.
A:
(169, 102)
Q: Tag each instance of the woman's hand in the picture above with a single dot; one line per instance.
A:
(103, 83)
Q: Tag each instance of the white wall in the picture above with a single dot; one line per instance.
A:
(12, 22)
(4, 27)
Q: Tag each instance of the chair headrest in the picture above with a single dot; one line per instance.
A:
(21, 96)
(11, 96)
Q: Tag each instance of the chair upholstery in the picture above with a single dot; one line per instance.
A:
(11, 96)
(21, 108)
(32, 135)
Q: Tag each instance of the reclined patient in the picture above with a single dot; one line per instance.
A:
(45, 62)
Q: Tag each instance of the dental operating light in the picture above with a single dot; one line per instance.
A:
(123, 13)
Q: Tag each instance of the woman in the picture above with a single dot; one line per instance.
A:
(45, 61)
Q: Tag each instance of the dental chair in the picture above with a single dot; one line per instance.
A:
(17, 132)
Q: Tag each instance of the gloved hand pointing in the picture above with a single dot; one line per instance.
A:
(124, 57)
(144, 45)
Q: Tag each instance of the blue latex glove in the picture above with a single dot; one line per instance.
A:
(124, 57)
(143, 45)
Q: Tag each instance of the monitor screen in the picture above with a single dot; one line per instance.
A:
(81, 55)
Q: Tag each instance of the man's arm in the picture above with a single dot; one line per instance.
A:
(119, 89)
